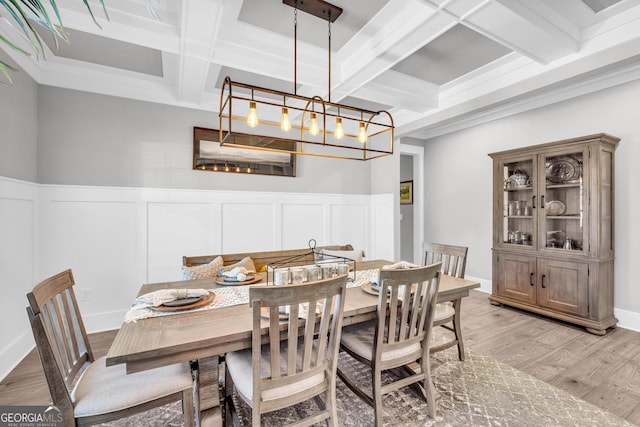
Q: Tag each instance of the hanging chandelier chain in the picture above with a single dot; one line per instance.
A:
(329, 21)
(295, 49)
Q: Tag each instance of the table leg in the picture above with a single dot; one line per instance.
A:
(457, 327)
(210, 411)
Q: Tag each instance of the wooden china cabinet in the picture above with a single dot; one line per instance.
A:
(553, 229)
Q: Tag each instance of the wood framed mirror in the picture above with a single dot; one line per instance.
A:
(209, 155)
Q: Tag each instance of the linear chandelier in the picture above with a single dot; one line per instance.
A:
(265, 119)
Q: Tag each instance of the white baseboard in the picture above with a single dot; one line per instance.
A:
(485, 285)
(627, 319)
(13, 353)
(101, 322)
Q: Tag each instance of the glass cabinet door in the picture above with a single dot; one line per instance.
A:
(518, 219)
(562, 213)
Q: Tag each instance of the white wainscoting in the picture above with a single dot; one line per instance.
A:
(115, 239)
(18, 268)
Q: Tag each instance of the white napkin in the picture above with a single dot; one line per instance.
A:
(400, 264)
(238, 273)
(157, 298)
(302, 309)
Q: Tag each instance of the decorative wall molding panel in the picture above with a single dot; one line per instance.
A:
(116, 239)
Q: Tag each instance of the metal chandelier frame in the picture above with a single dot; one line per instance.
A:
(358, 134)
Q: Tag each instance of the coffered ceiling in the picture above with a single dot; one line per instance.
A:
(436, 65)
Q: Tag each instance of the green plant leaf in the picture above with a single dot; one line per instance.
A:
(57, 12)
(4, 68)
(151, 10)
(86, 3)
(41, 17)
(13, 46)
(25, 24)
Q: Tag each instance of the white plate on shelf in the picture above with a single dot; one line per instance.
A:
(555, 207)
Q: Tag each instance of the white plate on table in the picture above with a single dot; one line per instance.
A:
(187, 303)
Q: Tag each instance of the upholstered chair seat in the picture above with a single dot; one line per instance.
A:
(102, 389)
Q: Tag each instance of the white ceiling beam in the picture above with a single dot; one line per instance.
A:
(522, 28)
(198, 33)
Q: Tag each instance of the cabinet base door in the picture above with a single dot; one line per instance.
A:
(564, 286)
(515, 277)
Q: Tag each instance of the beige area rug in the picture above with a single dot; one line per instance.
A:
(477, 392)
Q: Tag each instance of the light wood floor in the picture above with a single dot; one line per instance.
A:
(602, 370)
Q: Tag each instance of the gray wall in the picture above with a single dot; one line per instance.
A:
(91, 139)
(19, 128)
(406, 212)
(460, 211)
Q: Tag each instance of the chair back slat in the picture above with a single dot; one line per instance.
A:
(310, 337)
(406, 306)
(453, 258)
(65, 334)
(55, 327)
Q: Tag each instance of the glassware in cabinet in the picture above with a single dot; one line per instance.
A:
(517, 201)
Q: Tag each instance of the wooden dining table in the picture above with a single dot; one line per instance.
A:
(204, 335)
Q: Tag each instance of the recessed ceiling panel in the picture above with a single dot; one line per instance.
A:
(275, 16)
(453, 54)
(598, 5)
(105, 51)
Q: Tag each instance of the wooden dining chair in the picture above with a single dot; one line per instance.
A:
(299, 359)
(398, 338)
(454, 262)
(85, 390)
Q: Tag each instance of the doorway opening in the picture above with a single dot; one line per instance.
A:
(412, 215)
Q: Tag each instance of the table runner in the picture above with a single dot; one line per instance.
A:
(229, 296)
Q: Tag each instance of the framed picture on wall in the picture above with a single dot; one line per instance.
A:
(406, 193)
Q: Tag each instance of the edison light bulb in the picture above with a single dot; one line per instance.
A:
(362, 135)
(339, 133)
(285, 124)
(313, 126)
(238, 168)
(252, 117)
